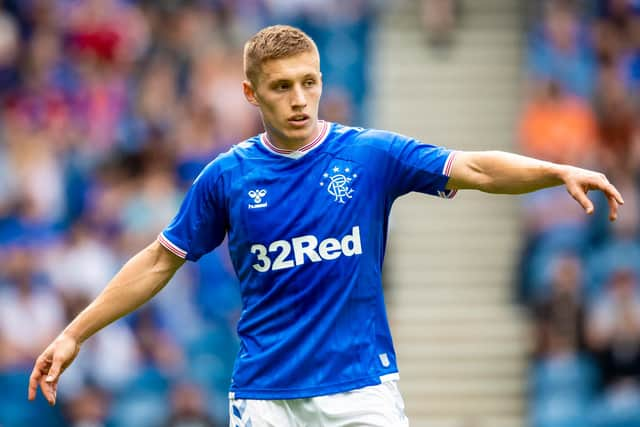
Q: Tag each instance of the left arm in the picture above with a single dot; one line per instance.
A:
(507, 173)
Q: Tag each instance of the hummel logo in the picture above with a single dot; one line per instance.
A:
(257, 196)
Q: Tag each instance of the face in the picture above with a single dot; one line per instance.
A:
(287, 91)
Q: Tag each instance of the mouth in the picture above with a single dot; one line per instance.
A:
(299, 120)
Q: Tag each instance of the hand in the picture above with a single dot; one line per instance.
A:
(50, 365)
(580, 181)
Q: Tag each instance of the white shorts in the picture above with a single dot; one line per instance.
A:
(375, 406)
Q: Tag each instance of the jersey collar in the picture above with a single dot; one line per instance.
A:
(296, 154)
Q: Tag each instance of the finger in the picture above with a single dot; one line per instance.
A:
(48, 391)
(616, 194)
(581, 197)
(52, 380)
(613, 208)
(611, 191)
(35, 377)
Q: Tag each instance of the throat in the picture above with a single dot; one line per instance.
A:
(280, 143)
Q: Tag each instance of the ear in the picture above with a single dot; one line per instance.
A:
(249, 93)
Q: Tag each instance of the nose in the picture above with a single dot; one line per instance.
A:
(298, 99)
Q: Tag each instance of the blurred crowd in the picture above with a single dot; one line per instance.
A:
(108, 110)
(439, 20)
(580, 275)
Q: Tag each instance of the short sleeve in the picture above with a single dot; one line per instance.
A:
(200, 224)
(415, 166)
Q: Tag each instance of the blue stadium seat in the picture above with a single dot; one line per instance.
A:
(143, 403)
(17, 411)
(561, 391)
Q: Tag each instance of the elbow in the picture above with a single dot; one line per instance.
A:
(484, 182)
(485, 174)
(162, 259)
(154, 251)
(492, 174)
(471, 170)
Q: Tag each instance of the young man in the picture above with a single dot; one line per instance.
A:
(305, 206)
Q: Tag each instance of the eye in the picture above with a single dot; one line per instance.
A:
(282, 86)
(309, 83)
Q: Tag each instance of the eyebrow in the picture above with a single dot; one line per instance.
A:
(287, 80)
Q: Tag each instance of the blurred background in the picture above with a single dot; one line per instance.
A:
(506, 311)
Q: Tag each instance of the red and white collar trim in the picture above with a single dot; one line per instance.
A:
(300, 151)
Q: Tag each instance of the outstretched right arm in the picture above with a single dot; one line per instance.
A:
(139, 280)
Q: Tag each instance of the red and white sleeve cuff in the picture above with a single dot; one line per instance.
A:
(446, 171)
(448, 164)
(171, 247)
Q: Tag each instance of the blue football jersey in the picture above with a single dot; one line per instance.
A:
(307, 233)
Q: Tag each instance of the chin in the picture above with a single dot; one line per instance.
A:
(299, 134)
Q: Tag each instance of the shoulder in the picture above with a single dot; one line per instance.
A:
(229, 160)
(367, 137)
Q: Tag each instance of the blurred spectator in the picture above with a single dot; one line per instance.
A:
(614, 335)
(560, 311)
(188, 408)
(559, 50)
(158, 349)
(158, 99)
(615, 32)
(216, 86)
(9, 50)
(153, 202)
(106, 31)
(563, 377)
(553, 224)
(614, 329)
(558, 126)
(439, 19)
(88, 409)
(38, 176)
(81, 248)
(30, 313)
(618, 247)
(619, 132)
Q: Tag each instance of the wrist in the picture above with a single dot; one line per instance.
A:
(69, 334)
(558, 173)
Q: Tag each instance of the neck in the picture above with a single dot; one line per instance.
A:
(291, 144)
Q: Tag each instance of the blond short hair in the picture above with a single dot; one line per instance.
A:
(274, 42)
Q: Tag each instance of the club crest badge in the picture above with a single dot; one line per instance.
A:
(338, 183)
